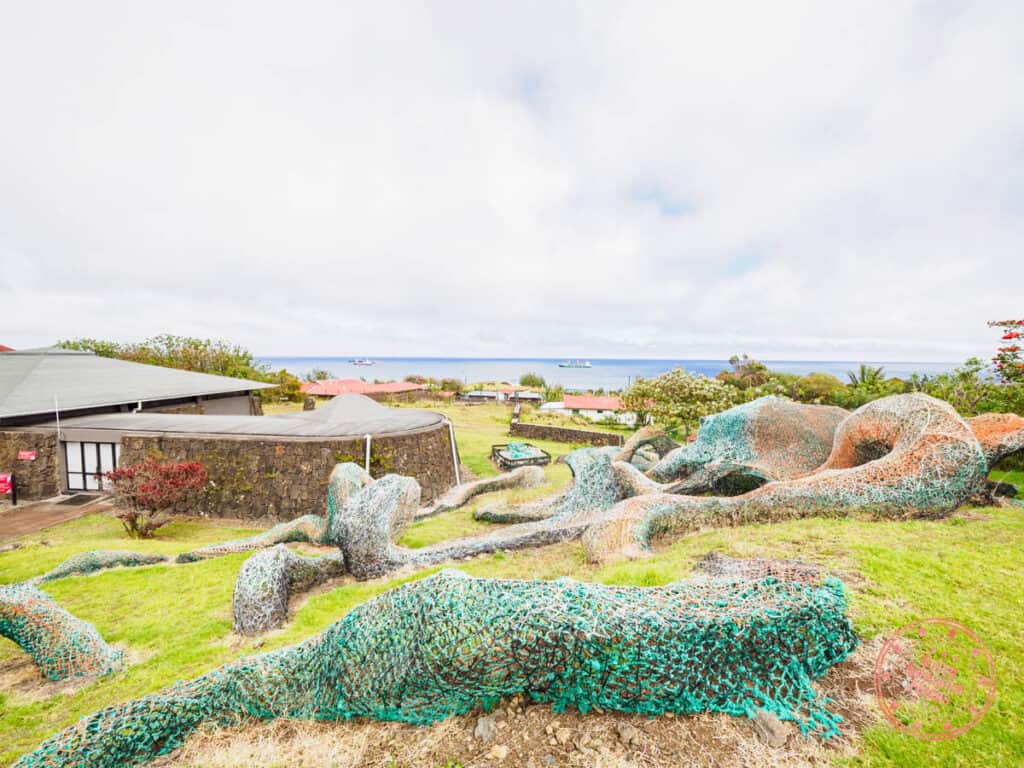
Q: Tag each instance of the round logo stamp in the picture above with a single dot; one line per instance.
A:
(934, 679)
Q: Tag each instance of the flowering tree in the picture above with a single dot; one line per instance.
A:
(143, 492)
(679, 399)
(1008, 361)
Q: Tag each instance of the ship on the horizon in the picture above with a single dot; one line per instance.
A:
(575, 364)
(362, 361)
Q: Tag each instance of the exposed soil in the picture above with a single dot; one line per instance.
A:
(35, 516)
(533, 736)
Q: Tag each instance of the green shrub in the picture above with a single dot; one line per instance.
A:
(531, 380)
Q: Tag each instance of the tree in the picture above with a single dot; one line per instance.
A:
(746, 372)
(639, 399)
(531, 380)
(554, 394)
(817, 387)
(289, 387)
(971, 390)
(184, 352)
(681, 399)
(143, 492)
(1008, 362)
(187, 353)
(867, 375)
(319, 374)
(451, 385)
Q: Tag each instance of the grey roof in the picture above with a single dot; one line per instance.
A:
(342, 416)
(30, 379)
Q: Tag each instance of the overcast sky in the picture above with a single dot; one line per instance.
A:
(685, 180)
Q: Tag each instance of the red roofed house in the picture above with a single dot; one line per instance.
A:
(5, 349)
(385, 391)
(595, 408)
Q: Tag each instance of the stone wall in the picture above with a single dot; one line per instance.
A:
(39, 478)
(265, 478)
(564, 434)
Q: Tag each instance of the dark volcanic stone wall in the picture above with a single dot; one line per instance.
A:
(38, 479)
(265, 478)
(563, 434)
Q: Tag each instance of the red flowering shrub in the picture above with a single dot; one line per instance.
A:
(144, 492)
(1008, 361)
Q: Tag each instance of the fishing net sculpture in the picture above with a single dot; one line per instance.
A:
(85, 563)
(367, 525)
(267, 579)
(60, 645)
(900, 456)
(645, 448)
(1000, 435)
(521, 477)
(754, 443)
(442, 645)
(308, 528)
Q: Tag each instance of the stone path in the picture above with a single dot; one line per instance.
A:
(37, 515)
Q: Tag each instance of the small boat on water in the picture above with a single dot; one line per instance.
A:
(575, 364)
(362, 361)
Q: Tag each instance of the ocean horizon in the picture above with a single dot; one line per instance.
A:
(604, 373)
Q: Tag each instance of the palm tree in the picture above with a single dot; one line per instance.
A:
(867, 375)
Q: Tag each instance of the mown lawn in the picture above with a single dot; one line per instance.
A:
(175, 621)
(479, 426)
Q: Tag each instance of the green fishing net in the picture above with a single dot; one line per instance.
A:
(445, 644)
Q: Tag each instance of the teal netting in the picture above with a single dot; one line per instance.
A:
(521, 451)
(267, 579)
(443, 645)
(308, 528)
(60, 645)
(100, 560)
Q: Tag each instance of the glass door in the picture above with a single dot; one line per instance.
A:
(87, 461)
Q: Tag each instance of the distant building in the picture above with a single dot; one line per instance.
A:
(383, 391)
(595, 408)
(5, 349)
(508, 395)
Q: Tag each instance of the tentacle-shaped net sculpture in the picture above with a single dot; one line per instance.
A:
(442, 645)
(61, 645)
(100, 560)
(901, 456)
(1000, 435)
(371, 521)
(308, 528)
(521, 477)
(645, 448)
(267, 579)
(763, 440)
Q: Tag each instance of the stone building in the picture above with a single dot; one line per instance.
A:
(66, 417)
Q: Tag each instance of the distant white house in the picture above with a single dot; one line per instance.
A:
(510, 395)
(594, 407)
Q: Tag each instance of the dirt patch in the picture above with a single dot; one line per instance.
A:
(533, 736)
(22, 680)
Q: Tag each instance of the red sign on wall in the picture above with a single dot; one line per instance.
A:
(26, 455)
(5, 483)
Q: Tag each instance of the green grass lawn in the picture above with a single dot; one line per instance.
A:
(175, 621)
(478, 427)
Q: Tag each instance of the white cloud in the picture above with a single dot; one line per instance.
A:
(790, 180)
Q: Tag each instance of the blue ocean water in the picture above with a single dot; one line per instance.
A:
(607, 374)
